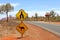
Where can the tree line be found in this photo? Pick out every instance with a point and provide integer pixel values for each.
(49, 16)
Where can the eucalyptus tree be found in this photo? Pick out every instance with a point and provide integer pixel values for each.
(6, 8)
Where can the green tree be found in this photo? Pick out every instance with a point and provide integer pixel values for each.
(36, 16)
(52, 13)
(6, 8)
(57, 17)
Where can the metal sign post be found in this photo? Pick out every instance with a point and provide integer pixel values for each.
(21, 15)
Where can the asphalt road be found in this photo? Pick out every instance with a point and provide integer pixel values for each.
(50, 27)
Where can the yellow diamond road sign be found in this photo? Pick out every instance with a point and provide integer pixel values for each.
(21, 14)
(21, 28)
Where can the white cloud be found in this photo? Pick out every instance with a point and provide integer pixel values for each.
(13, 13)
(55, 9)
(58, 12)
(13, 4)
(32, 13)
(40, 13)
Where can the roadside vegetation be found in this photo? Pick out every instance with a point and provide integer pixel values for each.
(49, 16)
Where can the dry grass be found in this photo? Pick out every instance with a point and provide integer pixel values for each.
(7, 28)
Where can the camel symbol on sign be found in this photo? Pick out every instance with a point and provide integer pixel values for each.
(22, 28)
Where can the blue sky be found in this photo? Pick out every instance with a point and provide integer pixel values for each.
(33, 6)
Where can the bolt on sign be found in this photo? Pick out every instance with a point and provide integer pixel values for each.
(21, 15)
(21, 28)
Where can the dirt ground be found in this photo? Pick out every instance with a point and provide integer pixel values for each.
(8, 32)
(58, 23)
